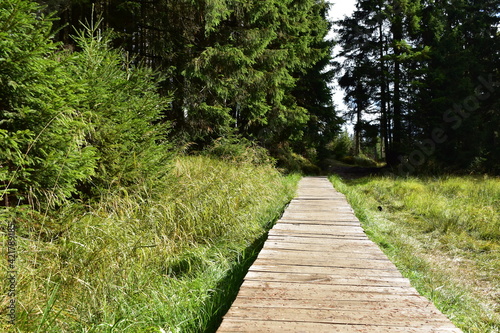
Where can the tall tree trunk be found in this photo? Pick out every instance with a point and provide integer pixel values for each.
(357, 130)
(383, 98)
(397, 36)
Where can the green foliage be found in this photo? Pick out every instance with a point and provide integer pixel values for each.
(426, 67)
(149, 260)
(43, 153)
(360, 160)
(124, 110)
(239, 150)
(72, 121)
(341, 146)
(247, 69)
(291, 162)
(233, 65)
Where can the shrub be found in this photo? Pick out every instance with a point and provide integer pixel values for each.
(239, 150)
(72, 122)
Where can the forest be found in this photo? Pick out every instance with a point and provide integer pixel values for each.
(85, 84)
(178, 129)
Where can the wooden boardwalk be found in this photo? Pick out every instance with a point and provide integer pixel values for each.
(318, 272)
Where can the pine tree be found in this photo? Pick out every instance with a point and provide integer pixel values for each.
(121, 103)
(42, 155)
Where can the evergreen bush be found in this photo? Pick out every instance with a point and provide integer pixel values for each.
(124, 109)
(72, 122)
(43, 153)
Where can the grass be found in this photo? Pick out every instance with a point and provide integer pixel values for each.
(152, 259)
(444, 234)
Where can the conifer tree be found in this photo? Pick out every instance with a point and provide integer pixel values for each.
(72, 120)
(42, 155)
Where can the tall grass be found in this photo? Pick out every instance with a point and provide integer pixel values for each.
(444, 234)
(148, 259)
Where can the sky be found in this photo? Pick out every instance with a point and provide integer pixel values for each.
(338, 10)
(341, 7)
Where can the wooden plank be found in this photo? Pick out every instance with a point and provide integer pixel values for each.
(320, 228)
(245, 326)
(284, 239)
(312, 289)
(345, 222)
(327, 230)
(385, 281)
(396, 317)
(334, 210)
(340, 245)
(338, 206)
(327, 262)
(332, 255)
(340, 295)
(346, 271)
(321, 215)
(415, 304)
(325, 240)
(280, 232)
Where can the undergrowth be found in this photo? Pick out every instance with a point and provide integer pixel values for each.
(444, 234)
(145, 259)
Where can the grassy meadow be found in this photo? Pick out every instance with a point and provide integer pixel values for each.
(444, 234)
(152, 259)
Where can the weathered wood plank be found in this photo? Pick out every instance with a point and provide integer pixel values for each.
(396, 317)
(416, 305)
(345, 222)
(319, 215)
(312, 289)
(245, 326)
(353, 273)
(332, 255)
(314, 246)
(317, 234)
(316, 240)
(332, 263)
(272, 276)
(321, 228)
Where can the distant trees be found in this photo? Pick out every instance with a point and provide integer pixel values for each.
(431, 69)
(232, 65)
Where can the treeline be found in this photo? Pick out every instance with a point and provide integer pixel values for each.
(250, 68)
(422, 80)
(97, 94)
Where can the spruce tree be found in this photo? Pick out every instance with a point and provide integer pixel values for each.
(42, 155)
